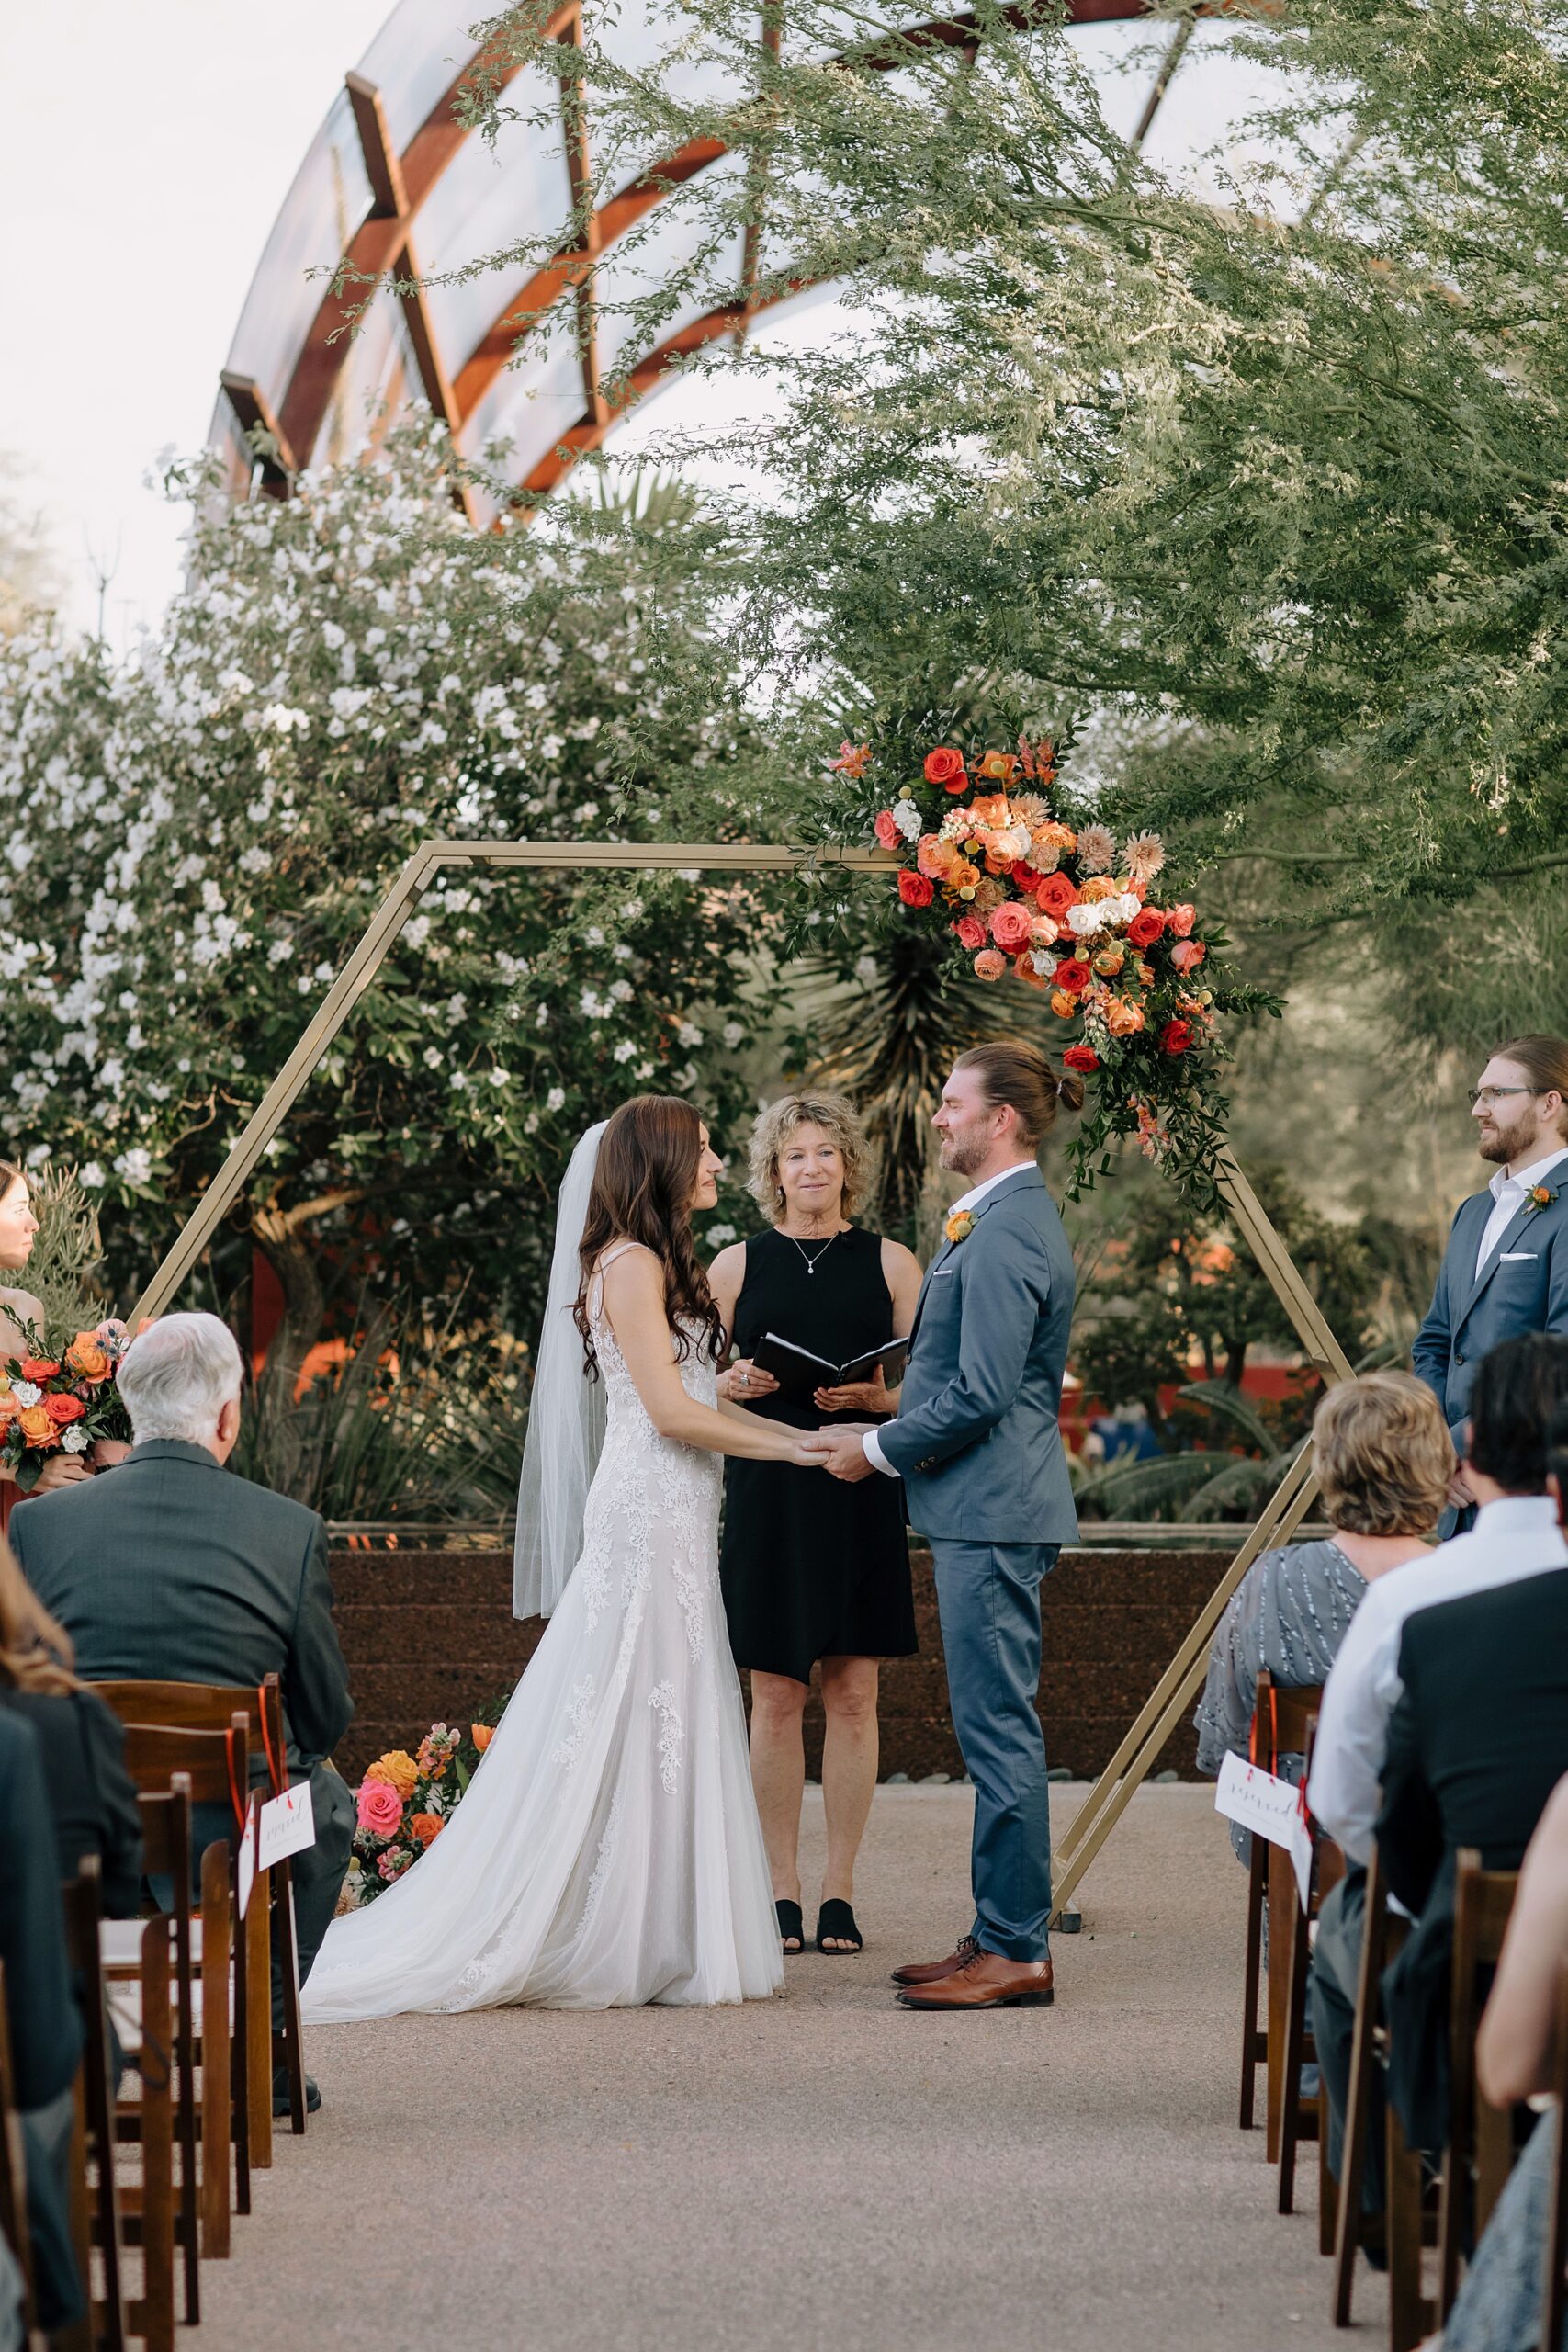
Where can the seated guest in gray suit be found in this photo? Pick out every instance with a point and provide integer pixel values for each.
(1505, 1266)
(167, 1569)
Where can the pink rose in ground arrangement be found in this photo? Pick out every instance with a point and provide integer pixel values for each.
(971, 930)
(1012, 926)
(380, 1808)
(990, 964)
(1187, 954)
(886, 832)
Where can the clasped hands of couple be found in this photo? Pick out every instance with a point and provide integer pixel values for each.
(838, 1450)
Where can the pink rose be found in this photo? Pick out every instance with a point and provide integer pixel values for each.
(990, 964)
(380, 1808)
(971, 930)
(1012, 926)
(886, 832)
(1181, 920)
(1188, 954)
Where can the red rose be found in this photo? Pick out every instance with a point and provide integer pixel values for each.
(1082, 1058)
(885, 829)
(36, 1368)
(971, 930)
(916, 891)
(1145, 928)
(1176, 1037)
(62, 1410)
(1072, 976)
(946, 767)
(1012, 926)
(1056, 894)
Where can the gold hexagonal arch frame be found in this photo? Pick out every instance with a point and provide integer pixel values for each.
(1161, 1712)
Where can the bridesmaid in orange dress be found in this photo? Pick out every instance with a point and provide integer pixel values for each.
(18, 1227)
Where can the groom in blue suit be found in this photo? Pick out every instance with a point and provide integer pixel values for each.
(1505, 1266)
(976, 1442)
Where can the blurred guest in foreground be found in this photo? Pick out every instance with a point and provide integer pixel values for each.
(1382, 1453)
(171, 1571)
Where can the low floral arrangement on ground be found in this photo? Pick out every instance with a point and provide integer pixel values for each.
(60, 1403)
(1066, 908)
(404, 1802)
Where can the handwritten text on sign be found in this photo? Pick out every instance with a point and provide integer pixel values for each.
(288, 1825)
(1271, 1808)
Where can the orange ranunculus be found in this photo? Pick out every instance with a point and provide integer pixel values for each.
(87, 1355)
(1108, 962)
(398, 1769)
(426, 1827)
(1123, 1017)
(999, 767)
(990, 964)
(63, 1411)
(38, 1368)
(946, 767)
(37, 1427)
(482, 1735)
(1062, 1005)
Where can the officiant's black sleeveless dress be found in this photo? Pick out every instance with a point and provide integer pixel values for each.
(812, 1568)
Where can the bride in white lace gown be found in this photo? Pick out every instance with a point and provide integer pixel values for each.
(608, 1850)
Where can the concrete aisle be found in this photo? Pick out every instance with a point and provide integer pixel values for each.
(826, 2171)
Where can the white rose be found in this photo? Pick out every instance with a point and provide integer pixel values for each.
(76, 1440)
(26, 1392)
(1085, 920)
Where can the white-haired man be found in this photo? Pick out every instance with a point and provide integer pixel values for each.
(167, 1569)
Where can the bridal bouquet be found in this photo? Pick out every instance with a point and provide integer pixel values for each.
(404, 1802)
(1069, 910)
(60, 1404)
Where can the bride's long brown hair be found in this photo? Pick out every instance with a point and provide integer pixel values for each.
(643, 1181)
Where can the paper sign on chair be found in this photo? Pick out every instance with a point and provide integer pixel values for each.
(288, 1825)
(1269, 1807)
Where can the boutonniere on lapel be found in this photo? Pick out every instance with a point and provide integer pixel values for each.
(959, 1225)
(1538, 1196)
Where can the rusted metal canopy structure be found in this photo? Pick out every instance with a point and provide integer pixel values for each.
(394, 185)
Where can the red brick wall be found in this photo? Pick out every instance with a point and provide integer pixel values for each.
(430, 1636)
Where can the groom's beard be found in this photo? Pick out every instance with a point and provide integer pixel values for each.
(961, 1158)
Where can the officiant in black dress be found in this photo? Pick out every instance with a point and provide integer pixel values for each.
(814, 1572)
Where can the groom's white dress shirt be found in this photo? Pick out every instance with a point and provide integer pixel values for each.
(1512, 1538)
(873, 1452)
(1507, 1198)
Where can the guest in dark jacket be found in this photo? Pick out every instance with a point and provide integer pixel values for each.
(40, 2013)
(81, 1744)
(1478, 1743)
(167, 1569)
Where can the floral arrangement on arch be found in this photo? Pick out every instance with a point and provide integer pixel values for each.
(404, 1802)
(1068, 910)
(60, 1404)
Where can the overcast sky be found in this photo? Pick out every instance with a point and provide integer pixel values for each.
(145, 146)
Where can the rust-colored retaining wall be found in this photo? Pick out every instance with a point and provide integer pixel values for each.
(430, 1636)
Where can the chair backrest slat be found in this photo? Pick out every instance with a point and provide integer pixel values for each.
(216, 1762)
(205, 1706)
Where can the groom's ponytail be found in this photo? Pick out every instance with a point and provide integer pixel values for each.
(1013, 1071)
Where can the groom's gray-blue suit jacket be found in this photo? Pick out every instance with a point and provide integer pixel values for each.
(976, 1437)
(1523, 1286)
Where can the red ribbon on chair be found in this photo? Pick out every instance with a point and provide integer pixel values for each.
(273, 1763)
(239, 1797)
(1273, 1733)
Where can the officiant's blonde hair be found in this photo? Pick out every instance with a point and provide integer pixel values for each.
(840, 1122)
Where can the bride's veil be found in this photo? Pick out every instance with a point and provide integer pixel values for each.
(566, 1415)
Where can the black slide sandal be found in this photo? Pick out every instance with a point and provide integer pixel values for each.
(792, 1927)
(836, 1918)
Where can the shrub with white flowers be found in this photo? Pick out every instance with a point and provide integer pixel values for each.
(194, 840)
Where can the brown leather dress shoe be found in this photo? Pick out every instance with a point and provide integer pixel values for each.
(986, 1980)
(927, 1971)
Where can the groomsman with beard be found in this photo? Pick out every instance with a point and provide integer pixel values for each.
(1506, 1268)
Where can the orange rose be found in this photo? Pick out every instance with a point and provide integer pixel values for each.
(426, 1827)
(1108, 962)
(482, 1735)
(962, 877)
(1062, 1005)
(989, 808)
(9, 1407)
(1101, 886)
(1024, 970)
(37, 1427)
(38, 1368)
(1054, 896)
(63, 1409)
(398, 1769)
(934, 856)
(87, 1355)
(1123, 1017)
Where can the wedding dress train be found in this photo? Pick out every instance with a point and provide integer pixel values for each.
(608, 1851)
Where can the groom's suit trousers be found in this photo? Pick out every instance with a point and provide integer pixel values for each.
(988, 1597)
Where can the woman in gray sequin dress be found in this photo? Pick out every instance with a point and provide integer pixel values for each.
(1383, 1459)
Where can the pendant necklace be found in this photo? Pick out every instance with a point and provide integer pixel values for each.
(811, 1261)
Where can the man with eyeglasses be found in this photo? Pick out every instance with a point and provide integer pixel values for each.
(1505, 1266)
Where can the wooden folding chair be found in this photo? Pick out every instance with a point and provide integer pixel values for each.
(1282, 1719)
(217, 1765)
(1480, 2153)
(205, 1706)
(97, 2222)
(14, 2176)
(1554, 2287)
(1302, 2118)
(148, 2202)
(1412, 2313)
